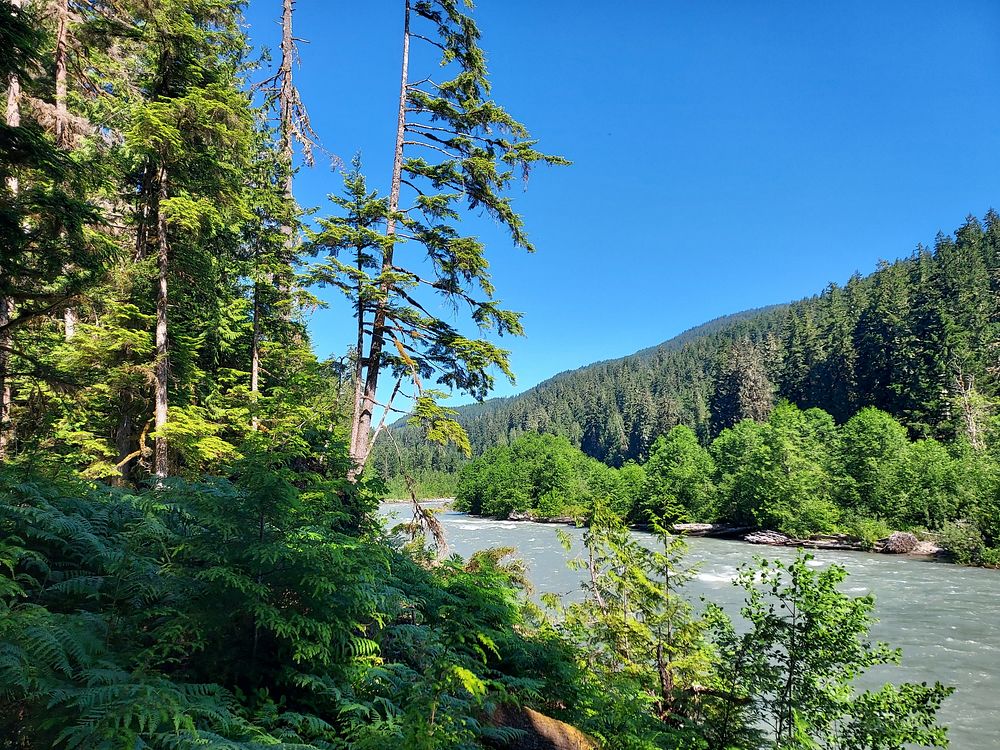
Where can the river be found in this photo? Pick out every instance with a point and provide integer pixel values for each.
(945, 618)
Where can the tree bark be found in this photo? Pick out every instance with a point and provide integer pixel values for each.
(5, 391)
(972, 412)
(62, 117)
(161, 368)
(13, 119)
(70, 319)
(62, 37)
(255, 358)
(286, 125)
(286, 103)
(364, 401)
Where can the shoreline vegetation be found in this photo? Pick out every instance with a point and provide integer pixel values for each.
(790, 477)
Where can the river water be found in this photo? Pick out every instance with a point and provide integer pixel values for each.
(945, 618)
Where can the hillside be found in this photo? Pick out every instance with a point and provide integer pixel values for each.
(916, 338)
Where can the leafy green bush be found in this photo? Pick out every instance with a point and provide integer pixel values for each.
(964, 541)
(792, 670)
(866, 530)
(533, 467)
(551, 505)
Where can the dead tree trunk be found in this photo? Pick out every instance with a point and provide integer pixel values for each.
(161, 368)
(62, 126)
(289, 108)
(255, 358)
(62, 41)
(973, 409)
(286, 106)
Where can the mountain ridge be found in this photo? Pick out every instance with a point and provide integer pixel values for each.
(913, 338)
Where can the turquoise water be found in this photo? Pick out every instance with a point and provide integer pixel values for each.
(945, 618)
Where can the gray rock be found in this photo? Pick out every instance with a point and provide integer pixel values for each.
(900, 543)
(928, 549)
(521, 515)
(772, 538)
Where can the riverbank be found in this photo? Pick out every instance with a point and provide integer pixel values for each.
(897, 543)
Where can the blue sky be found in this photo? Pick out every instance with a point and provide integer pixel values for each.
(727, 155)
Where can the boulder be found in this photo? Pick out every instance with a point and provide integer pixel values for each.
(521, 515)
(900, 543)
(928, 549)
(772, 538)
(538, 731)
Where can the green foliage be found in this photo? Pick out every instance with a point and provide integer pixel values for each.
(657, 676)
(251, 599)
(872, 445)
(539, 473)
(868, 531)
(743, 388)
(241, 612)
(639, 645)
(965, 542)
(427, 484)
(456, 151)
(798, 473)
(775, 474)
(787, 681)
(679, 478)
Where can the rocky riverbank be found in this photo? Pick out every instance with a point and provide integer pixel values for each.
(897, 543)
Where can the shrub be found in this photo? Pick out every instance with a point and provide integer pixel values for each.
(964, 541)
(866, 530)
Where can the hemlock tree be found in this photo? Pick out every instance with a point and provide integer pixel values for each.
(456, 149)
(638, 639)
(191, 135)
(49, 247)
(743, 389)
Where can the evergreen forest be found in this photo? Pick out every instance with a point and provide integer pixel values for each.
(191, 554)
(916, 339)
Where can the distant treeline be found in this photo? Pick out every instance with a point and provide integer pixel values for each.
(797, 472)
(917, 339)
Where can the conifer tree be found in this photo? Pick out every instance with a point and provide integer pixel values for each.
(455, 149)
(191, 134)
(17, 31)
(49, 249)
(743, 389)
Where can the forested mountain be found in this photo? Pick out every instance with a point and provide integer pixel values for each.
(917, 338)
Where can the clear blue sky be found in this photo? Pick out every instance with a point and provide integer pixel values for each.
(727, 155)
